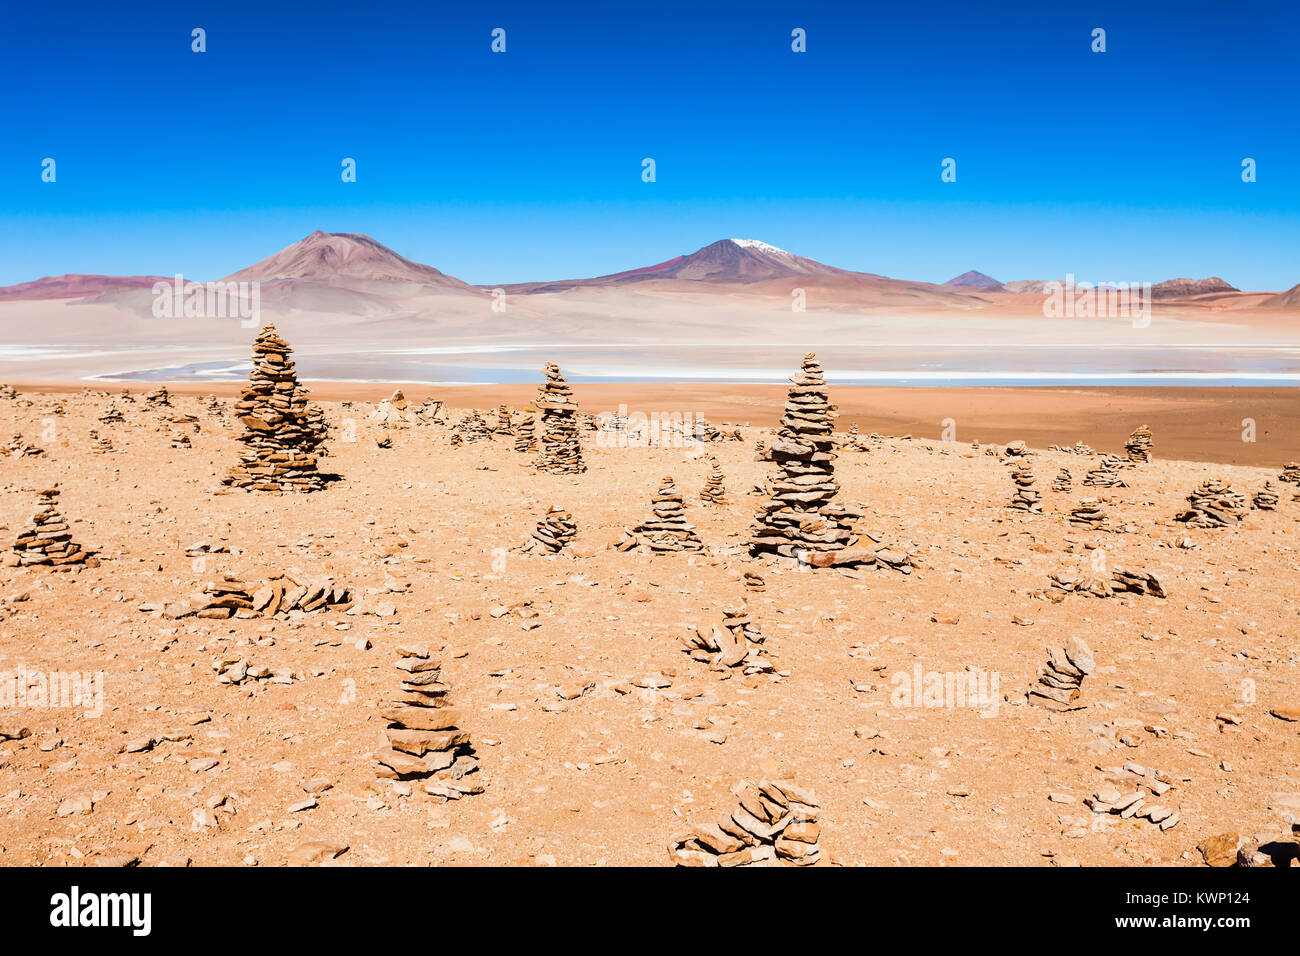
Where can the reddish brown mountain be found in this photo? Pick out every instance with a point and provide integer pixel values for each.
(1181, 288)
(975, 280)
(75, 286)
(348, 255)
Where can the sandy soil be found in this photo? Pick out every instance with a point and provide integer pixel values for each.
(610, 776)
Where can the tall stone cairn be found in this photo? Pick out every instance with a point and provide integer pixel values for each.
(47, 540)
(1266, 498)
(1138, 445)
(503, 424)
(425, 741)
(714, 493)
(1063, 481)
(282, 433)
(800, 518)
(1058, 685)
(560, 453)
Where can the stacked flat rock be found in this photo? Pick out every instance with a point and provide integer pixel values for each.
(1088, 513)
(385, 440)
(1025, 498)
(559, 451)
(800, 518)
(1214, 505)
(424, 738)
(503, 422)
(1266, 498)
(1088, 585)
(473, 427)
(391, 412)
(215, 407)
(1138, 445)
(1137, 582)
(282, 433)
(126, 396)
(667, 529)
(553, 533)
(99, 444)
(1016, 451)
(1059, 684)
(1105, 475)
(112, 415)
(158, 397)
(1063, 481)
(19, 447)
(714, 493)
(180, 440)
(47, 540)
(754, 582)
(430, 412)
(775, 824)
(8, 392)
(1290, 473)
(278, 597)
(734, 641)
(526, 435)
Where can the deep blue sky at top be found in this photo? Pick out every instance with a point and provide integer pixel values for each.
(495, 168)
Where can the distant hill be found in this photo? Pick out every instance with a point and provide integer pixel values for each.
(1181, 288)
(326, 255)
(975, 280)
(75, 286)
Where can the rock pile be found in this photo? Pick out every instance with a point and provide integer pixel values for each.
(1290, 473)
(733, 641)
(1024, 497)
(424, 739)
(472, 427)
(668, 529)
(99, 444)
(1266, 498)
(1213, 505)
(180, 439)
(553, 532)
(19, 447)
(1063, 481)
(1121, 580)
(526, 434)
(158, 397)
(714, 493)
(1059, 684)
(282, 433)
(1138, 445)
(1088, 513)
(232, 598)
(1137, 582)
(8, 392)
(754, 582)
(48, 539)
(1105, 475)
(112, 415)
(560, 453)
(800, 518)
(1133, 804)
(775, 824)
(503, 424)
(215, 407)
(1016, 451)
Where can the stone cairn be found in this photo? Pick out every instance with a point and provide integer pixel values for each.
(734, 641)
(1133, 804)
(8, 392)
(1063, 482)
(1088, 513)
(1025, 498)
(559, 453)
(754, 582)
(667, 529)
(158, 397)
(1090, 585)
(424, 739)
(1138, 445)
(180, 439)
(1290, 473)
(1106, 474)
(714, 493)
(215, 407)
(503, 422)
(1137, 582)
(1266, 498)
(1213, 505)
(282, 433)
(800, 518)
(112, 415)
(526, 434)
(99, 444)
(1059, 684)
(552, 534)
(775, 824)
(473, 427)
(19, 447)
(48, 539)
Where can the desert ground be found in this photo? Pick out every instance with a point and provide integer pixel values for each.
(599, 737)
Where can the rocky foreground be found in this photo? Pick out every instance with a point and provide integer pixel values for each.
(247, 645)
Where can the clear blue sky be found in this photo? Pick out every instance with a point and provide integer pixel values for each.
(497, 168)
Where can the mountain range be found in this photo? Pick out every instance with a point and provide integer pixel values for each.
(359, 264)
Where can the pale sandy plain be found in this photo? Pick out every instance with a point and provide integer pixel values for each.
(611, 775)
